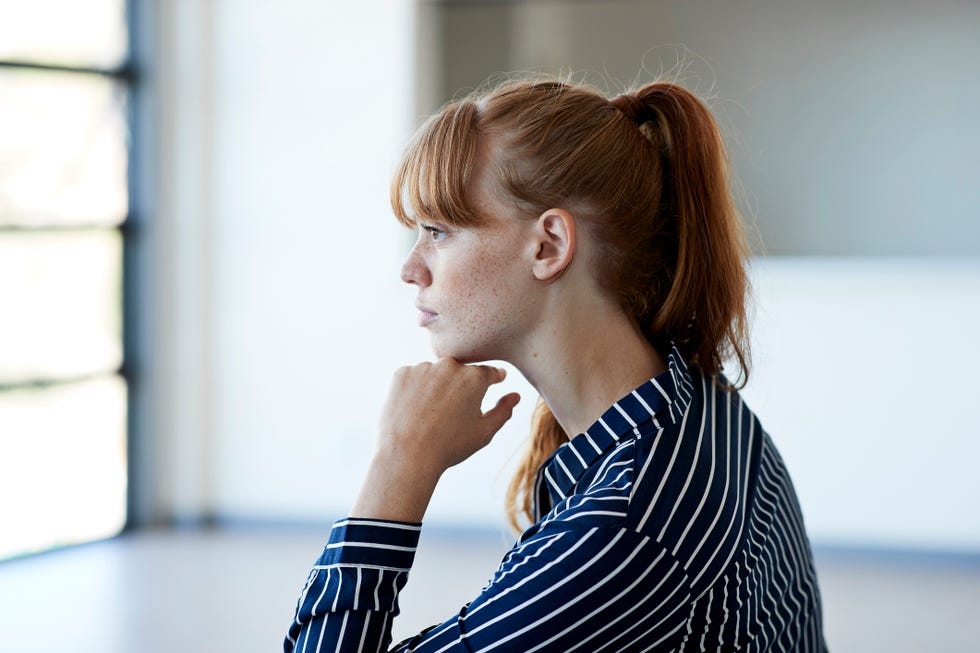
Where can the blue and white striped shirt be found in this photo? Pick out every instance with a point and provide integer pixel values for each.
(671, 524)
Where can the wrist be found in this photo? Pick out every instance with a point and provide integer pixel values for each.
(394, 489)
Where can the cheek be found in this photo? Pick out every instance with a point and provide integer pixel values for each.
(487, 297)
(494, 292)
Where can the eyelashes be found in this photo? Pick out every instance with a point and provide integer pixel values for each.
(435, 233)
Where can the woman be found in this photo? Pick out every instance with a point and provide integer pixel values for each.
(594, 245)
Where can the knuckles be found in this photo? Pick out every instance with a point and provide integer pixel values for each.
(447, 371)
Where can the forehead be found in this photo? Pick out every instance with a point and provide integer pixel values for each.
(482, 191)
(485, 193)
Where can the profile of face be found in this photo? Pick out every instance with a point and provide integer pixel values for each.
(476, 289)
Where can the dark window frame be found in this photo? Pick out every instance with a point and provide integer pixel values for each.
(127, 75)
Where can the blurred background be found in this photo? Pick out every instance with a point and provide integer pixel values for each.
(200, 308)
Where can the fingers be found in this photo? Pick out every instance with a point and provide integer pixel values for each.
(433, 415)
(497, 416)
(499, 374)
(486, 375)
(490, 374)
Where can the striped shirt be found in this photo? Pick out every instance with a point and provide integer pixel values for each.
(671, 524)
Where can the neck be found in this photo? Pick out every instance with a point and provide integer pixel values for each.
(582, 369)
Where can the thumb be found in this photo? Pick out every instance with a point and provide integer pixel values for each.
(499, 414)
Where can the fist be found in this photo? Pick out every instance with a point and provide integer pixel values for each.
(433, 419)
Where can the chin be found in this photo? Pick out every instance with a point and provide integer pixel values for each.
(461, 352)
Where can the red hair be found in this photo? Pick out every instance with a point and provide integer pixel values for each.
(647, 168)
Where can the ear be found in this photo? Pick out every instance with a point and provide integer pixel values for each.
(554, 244)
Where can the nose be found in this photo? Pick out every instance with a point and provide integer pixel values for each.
(414, 269)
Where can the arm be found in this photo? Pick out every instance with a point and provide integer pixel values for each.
(563, 588)
(432, 420)
(570, 582)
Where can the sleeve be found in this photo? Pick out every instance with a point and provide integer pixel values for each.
(351, 594)
(564, 588)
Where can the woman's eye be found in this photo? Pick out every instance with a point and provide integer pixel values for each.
(435, 233)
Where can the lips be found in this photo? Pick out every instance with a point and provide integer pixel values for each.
(425, 315)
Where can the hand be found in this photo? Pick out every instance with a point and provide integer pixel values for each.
(431, 421)
(432, 418)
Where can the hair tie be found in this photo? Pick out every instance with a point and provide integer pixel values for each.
(633, 108)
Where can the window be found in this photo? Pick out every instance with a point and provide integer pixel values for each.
(65, 85)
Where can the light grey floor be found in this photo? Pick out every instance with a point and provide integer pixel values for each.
(234, 589)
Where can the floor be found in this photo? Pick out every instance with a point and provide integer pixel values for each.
(234, 589)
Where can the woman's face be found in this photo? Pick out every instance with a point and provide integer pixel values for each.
(476, 291)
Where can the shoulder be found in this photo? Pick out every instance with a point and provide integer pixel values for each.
(695, 476)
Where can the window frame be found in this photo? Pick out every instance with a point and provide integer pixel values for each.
(134, 250)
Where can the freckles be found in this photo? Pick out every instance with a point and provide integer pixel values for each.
(482, 297)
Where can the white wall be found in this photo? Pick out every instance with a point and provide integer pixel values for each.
(310, 100)
(278, 256)
(282, 317)
(865, 376)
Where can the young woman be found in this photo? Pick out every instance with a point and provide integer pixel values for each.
(594, 245)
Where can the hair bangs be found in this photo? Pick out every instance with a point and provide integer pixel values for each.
(432, 178)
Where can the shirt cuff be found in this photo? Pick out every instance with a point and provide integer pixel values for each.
(371, 542)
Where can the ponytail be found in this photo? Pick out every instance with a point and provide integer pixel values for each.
(704, 310)
(647, 169)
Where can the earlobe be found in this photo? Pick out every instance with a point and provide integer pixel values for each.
(554, 244)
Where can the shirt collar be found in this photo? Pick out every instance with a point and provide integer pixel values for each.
(661, 400)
